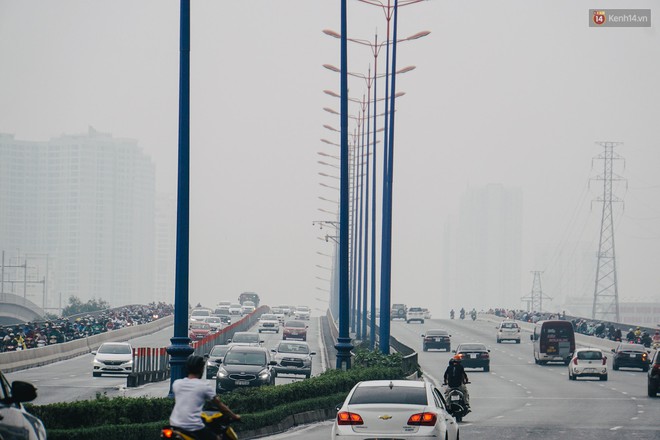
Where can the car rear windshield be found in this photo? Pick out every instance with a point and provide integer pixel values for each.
(387, 395)
(219, 350)
(115, 349)
(293, 348)
(632, 347)
(268, 318)
(296, 324)
(245, 337)
(415, 309)
(472, 347)
(589, 355)
(244, 358)
(509, 325)
(437, 333)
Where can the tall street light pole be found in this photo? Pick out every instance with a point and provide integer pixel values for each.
(180, 348)
(343, 345)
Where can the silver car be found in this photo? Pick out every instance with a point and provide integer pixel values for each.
(293, 357)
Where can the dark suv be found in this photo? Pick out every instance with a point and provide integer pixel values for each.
(15, 421)
(654, 375)
(630, 356)
(244, 367)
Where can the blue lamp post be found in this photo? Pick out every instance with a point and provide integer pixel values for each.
(343, 345)
(180, 348)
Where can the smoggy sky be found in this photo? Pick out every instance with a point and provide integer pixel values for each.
(514, 93)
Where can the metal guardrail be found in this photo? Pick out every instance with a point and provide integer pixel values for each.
(153, 364)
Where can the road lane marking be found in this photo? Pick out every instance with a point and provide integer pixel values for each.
(499, 417)
(640, 412)
(615, 428)
(634, 418)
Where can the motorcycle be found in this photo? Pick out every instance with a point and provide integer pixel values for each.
(474, 316)
(456, 403)
(451, 314)
(462, 315)
(216, 421)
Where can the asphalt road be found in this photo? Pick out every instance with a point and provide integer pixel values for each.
(520, 400)
(72, 380)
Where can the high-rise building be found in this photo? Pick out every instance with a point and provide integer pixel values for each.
(87, 201)
(165, 248)
(483, 250)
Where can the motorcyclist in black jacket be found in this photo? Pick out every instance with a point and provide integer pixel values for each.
(455, 377)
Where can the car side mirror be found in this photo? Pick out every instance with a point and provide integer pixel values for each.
(23, 391)
(339, 405)
(613, 351)
(261, 342)
(272, 363)
(422, 336)
(206, 355)
(273, 350)
(531, 337)
(488, 351)
(312, 353)
(453, 351)
(228, 341)
(94, 352)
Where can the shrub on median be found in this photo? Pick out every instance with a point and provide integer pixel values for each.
(249, 402)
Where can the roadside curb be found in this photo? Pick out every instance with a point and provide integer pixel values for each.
(319, 415)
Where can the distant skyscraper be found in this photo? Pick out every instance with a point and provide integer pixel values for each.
(88, 202)
(165, 248)
(483, 252)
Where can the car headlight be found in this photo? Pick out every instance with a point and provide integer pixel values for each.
(129, 363)
(265, 374)
(211, 364)
(95, 362)
(222, 373)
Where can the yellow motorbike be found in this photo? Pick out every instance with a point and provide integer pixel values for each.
(218, 423)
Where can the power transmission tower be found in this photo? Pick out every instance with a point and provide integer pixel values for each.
(606, 292)
(535, 298)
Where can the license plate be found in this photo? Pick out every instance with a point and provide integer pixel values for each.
(454, 397)
(633, 355)
(473, 355)
(589, 370)
(242, 382)
(437, 339)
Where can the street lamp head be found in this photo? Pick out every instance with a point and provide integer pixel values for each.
(398, 94)
(329, 110)
(418, 35)
(331, 67)
(406, 69)
(331, 93)
(330, 128)
(331, 33)
(325, 141)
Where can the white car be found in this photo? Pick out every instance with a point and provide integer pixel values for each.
(247, 308)
(277, 311)
(302, 312)
(293, 357)
(588, 362)
(246, 338)
(235, 309)
(113, 358)
(427, 313)
(415, 314)
(215, 322)
(394, 409)
(269, 323)
(199, 314)
(508, 331)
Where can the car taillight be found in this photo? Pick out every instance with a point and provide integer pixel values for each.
(349, 418)
(575, 361)
(518, 329)
(423, 419)
(428, 339)
(656, 368)
(167, 433)
(485, 356)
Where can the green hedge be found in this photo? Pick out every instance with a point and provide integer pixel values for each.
(259, 406)
(151, 430)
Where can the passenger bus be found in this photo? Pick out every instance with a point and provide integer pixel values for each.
(554, 341)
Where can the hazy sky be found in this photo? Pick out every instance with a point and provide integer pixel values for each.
(512, 92)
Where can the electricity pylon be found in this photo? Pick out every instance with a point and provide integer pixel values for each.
(606, 292)
(536, 296)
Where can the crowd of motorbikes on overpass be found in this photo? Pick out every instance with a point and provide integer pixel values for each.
(35, 334)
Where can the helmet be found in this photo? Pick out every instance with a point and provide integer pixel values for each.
(195, 365)
(457, 358)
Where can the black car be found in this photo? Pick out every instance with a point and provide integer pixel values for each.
(437, 338)
(243, 367)
(223, 314)
(630, 356)
(15, 421)
(654, 375)
(214, 359)
(474, 355)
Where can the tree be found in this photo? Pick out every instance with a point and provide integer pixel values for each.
(76, 306)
